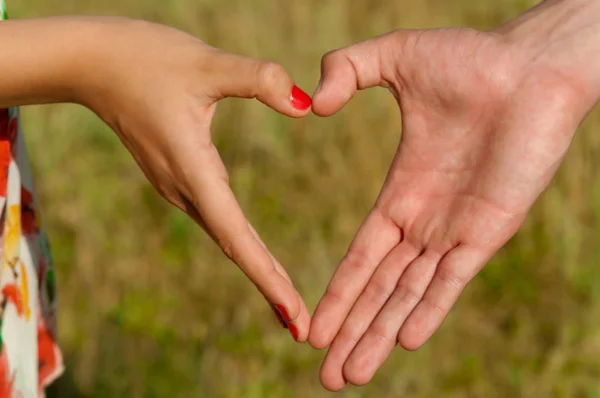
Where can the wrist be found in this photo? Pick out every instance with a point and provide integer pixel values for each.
(99, 67)
(561, 37)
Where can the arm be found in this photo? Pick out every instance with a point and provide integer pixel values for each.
(43, 59)
(562, 36)
(487, 118)
(158, 88)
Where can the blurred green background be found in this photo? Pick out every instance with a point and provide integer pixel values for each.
(149, 307)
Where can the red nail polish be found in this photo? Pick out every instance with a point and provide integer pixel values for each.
(293, 331)
(279, 318)
(283, 312)
(300, 100)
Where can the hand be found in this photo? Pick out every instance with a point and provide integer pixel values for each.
(158, 88)
(159, 91)
(487, 119)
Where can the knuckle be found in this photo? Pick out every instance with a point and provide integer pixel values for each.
(170, 194)
(348, 335)
(192, 207)
(330, 57)
(270, 74)
(224, 176)
(379, 332)
(357, 257)
(222, 173)
(436, 305)
(450, 278)
(165, 192)
(407, 295)
(335, 295)
(377, 290)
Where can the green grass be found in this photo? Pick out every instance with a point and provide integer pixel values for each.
(149, 307)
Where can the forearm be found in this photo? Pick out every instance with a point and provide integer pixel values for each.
(44, 60)
(565, 35)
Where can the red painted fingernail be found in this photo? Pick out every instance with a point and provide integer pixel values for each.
(279, 318)
(300, 100)
(293, 331)
(283, 312)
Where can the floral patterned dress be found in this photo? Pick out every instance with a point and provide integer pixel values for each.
(29, 356)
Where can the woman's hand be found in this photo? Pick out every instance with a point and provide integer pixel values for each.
(158, 89)
(487, 118)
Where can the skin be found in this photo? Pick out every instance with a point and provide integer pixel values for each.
(158, 89)
(487, 119)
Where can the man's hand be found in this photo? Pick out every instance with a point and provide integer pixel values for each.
(487, 119)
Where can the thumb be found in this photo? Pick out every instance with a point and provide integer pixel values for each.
(245, 77)
(363, 65)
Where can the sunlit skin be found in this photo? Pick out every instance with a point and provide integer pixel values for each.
(487, 120)
(162, 113)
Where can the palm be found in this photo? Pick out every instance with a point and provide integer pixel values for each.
(475, 153)
(481, 140)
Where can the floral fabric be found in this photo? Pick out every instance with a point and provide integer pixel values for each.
(29, 356)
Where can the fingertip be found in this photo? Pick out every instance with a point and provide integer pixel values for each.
(289, 311)
(278, 316)
(278, 91)
(411, 338)
(293, 331)
(333, 385)
(410, 344)
(300, 327)
(356, 377)
(316, 341)
(323, 111)
(299, 99)
(358, 368)
(359, 380)
(296, 319)
(330, 379)
(331, 96)
(295, 104)
(318, 337)
(316, 97)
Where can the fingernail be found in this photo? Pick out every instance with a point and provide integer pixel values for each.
(279, 318)
(284, 314)
(300, 100)
(293, 331)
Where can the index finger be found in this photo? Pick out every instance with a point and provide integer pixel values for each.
(221, 214)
